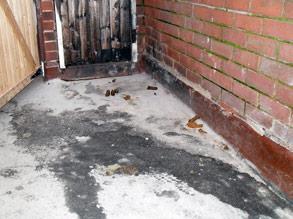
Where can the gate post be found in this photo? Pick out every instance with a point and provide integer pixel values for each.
(48, 38)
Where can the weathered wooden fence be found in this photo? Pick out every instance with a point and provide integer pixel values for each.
(19, 56)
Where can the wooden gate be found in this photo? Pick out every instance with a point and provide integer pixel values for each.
(95, 31)
(19, 57)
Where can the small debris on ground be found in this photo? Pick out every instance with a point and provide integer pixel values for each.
(114, 80)
(127, 97)
(155, 94)
(108, 93)
(225, 147)
(152, 88)
(201, 131)
(112, 92)
(193, 124)
(121, 169)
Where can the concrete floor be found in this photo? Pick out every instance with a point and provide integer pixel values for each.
(67, 151)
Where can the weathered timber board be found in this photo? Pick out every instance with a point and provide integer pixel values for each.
(96, 31)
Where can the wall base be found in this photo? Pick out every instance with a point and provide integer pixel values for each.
(273, 161)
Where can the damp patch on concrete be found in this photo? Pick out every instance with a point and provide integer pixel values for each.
(66, 144)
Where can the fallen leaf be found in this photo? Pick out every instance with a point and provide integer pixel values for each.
(194, 118)
(112, 169)
(127, 97)
(194, 125)
(152, 88)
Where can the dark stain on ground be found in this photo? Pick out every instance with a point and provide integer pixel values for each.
(7, 173)
(111, 141)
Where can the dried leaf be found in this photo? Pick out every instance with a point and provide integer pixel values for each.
(127, 97)
(194, 118)
(194, 125)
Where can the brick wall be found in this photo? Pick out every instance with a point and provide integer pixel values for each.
(48, 38)
(239, 51)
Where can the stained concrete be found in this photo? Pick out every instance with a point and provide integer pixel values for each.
(63, 133)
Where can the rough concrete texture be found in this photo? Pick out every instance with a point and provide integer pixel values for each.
(67, 151)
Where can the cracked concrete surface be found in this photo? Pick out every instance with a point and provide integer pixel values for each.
(59, 139)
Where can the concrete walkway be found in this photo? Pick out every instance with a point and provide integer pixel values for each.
(68, 151)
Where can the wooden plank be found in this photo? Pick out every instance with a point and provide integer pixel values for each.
(125, 23)
(19, 56)
(105, 25)
(17, 32)
(8, 95)
(63, 8)
(82, 10)
(115, 23)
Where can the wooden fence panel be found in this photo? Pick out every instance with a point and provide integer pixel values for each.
(19, 57)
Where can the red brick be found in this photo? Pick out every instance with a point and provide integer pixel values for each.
(284, 94)
(49, 36)
(235, 36)
(288, 9)
(260, 82)
(193, 77)
(249, 23)
(222, 80)
(238, 5)
(212, 30)
(202, 13)
(194, 52)
(205, 71)
(47, 15)
(212, 88)
(187, 62)
(286, 53)
(278, 29)
(222, 17)
(246, 58)
(261, 45)
(48, 25)
(277, 110)
(222, 49)
(245, 92)
(47, 6)
(258, 116)
(186, 35)
(51, 46)
(217, 3)
(235, 70)
(229, 101)
(277, 70)
(201, 40)
(212, 60)
(267, 7)
(185, 9)
(180, 68)
(173, 54)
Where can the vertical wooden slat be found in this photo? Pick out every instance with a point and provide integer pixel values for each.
(82, 9)
(96, 30)
(105, 25)
(115, 23)
(125, 27)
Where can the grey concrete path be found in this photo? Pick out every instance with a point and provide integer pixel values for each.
(67, 151)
